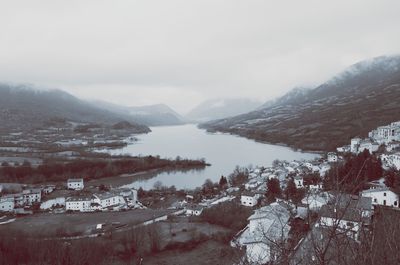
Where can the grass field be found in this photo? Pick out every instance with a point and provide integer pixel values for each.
(207, 253)
(50, 224)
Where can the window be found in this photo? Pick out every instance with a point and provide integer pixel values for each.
(375, 200)
(395, 203)
(384, 194)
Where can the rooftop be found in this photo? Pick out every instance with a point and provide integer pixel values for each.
(78, 198)
(352, 201)
(31, 191)
(248, 193)
(194, 207)
(347, 207)
(275, 225)
(106, 195)
(75, 180)
(346, 214)
(382, 189)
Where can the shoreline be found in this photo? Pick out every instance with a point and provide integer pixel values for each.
(216, 132)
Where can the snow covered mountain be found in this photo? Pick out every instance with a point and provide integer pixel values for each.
(221, 108)
(150, 115)
(24, 107)
(362, 97)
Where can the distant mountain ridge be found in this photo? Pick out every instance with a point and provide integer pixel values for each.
(362, 97)
(221, 108)
(24, 107)
(150, 115)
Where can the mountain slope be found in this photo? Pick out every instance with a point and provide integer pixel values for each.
(24, 108)
(364, 96)
(151, 115)
(221, 108)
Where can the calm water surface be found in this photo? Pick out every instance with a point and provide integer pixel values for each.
(223, 151)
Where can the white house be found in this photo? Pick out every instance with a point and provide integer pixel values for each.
(130, 196)
(18, 199)
(368, 144)
(382, 196)
(315, 187)
(268, 227)
(391, 160)
(249, 199)
(32, 196)
(344, 149)
(194, 210)
(7, 203)
(332, 157)
(108, 199)
(46, 205)
(355, 143)
(386, 134)
(81, 204)
(347, 213)
(396, 160)
(316, 201)
(48, 189)
(299, 181)
(324, 167)
(392, 146)
(75, 184)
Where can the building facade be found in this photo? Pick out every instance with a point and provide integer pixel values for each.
(32, 196)
(81, 204)
(382, 196)
(75, 184)
(7, 204)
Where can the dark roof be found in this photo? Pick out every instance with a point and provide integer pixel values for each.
(75, 180)
(352, 201)
(347, 207)
(248, 193)
(349, 214)
(320, 238)
(194, 207)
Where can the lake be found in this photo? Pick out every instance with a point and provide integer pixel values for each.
(223, 151)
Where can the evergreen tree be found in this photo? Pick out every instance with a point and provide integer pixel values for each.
(290, 190)
(273, 189)
(223, 182)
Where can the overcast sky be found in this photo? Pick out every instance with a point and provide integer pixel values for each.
(183, 52)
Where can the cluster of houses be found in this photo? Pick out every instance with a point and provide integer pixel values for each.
(115, 199)
(341, 220)
(391, 160)
(16, 202)
(111, 200)
(283, 170)
(388, 136)
(269, 226)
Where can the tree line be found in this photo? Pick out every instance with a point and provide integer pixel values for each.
(53, 170)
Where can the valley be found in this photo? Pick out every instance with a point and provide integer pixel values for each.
(350, 104)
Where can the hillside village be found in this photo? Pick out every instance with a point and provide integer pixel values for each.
(300, 198)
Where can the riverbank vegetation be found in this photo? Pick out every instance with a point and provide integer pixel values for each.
(57, 170)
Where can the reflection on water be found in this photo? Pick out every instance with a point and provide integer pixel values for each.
(224, 152)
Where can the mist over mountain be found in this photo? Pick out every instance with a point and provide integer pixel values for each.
(355, 101)
(150, 115)
(221, 108)
(24, 107)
